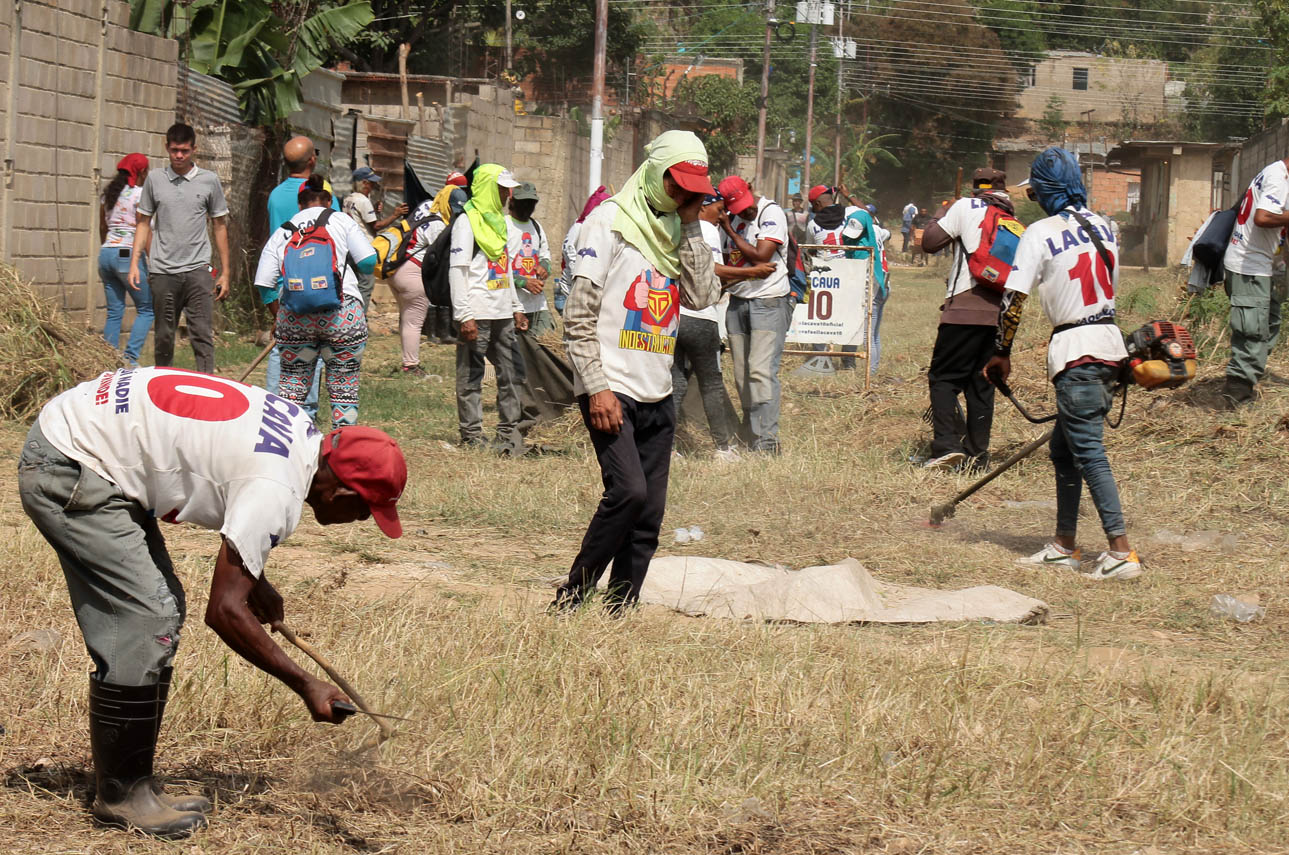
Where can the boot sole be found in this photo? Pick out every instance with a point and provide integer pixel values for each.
(161, 834)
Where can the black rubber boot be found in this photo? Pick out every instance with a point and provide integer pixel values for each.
(1237, 392)
(123, 737)
(185, 802)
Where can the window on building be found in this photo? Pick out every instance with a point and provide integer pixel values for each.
(1134, 195)
(1080, 79)
(1028, 77)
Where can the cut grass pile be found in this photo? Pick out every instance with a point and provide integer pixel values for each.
(42, 350)
(1135, 722)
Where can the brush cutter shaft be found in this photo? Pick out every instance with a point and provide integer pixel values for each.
(308, 650)
(940, 513)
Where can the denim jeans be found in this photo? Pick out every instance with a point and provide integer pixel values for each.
(757, 329)
(1083, 398)
(875, 346)
(273, 377)
(114, 270)
(698, 347)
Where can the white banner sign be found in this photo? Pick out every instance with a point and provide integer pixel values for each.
(838, 306)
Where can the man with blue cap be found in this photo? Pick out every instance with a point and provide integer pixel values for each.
(1074, 256)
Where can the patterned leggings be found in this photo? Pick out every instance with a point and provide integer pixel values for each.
(338, 338)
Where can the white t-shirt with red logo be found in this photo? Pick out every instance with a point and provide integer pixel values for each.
(527, 247)
(1076, 288)
(1253, 248)
(639, 311)
(488, 294)
(194, 448)
(817, 234)
(770, 223)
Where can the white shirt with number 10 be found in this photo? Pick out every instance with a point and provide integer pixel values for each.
(194, 448)
(1076, 288)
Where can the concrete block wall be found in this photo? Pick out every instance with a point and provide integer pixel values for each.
(64, 135)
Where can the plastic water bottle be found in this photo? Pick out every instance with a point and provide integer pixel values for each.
(1227, 606)
(682, 535)
(695, 533)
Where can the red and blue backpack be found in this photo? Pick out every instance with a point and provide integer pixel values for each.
(311, 278)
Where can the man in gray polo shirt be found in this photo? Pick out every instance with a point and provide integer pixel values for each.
(175, 205)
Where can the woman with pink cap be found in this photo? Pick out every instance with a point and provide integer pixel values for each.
(116, 227)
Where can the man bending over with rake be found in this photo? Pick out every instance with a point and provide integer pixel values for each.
(109, 458)
(1074, 256)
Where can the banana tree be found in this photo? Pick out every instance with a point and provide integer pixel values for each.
(263, 49)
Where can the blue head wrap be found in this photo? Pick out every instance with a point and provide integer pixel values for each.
(1057, 180)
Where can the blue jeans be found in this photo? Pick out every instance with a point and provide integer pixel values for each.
(757, 329)
(875, 346)
(273, 378)
(1083, 398)
(114, 270)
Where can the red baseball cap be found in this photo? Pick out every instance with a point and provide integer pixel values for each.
(370, 463)
(455, 178)
(692, 176)
(818, 190)
(736, 193)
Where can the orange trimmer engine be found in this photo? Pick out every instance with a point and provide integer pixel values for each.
(1161, 354)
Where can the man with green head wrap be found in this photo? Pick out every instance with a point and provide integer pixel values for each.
(640, 256)
(487, 309)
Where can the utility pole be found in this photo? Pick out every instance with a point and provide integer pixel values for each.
(509, 57)
(810, 102)
(765, 95)
(840, 52)
(1091, 167)
(597, 94)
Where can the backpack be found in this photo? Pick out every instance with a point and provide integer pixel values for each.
(310, 274)
(392, 243)
(1210, 246)
(434, 268)
(991, 264)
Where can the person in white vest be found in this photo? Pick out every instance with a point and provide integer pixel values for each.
(640, 256)
(109, 460)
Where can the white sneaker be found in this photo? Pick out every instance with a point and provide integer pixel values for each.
(946, 461)
(1052, 555)
(1108, 566)
(727, 455)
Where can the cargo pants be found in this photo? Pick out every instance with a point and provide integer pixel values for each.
(128, 601)
(1255, 323)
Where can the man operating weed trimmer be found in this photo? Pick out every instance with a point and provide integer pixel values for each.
(108, 459)
(1073, 254)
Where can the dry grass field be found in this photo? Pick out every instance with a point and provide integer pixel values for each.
(1134, 721)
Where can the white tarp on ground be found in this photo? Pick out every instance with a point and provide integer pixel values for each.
(837, 593)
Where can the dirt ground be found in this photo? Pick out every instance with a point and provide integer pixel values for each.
(1134, 721)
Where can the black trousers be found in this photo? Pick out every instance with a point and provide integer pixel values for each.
(634, 464)
(698, 347)
(960, 354)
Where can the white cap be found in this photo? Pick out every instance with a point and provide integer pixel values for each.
(853, 228)
(507, 179)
